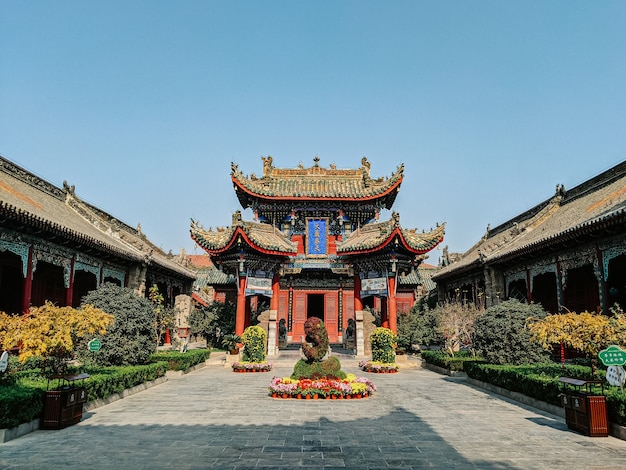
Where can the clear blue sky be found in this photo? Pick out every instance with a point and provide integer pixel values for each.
(142, 105)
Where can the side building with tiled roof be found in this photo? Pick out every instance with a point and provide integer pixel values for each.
(316, 247)
(56, 247)
(567, 253)
(211, 284)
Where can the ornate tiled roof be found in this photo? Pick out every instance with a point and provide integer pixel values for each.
(315, 183)
(595, 204)
(213, 277)
(263, 237)
(374, 236)
(30, 203)
(200, 261)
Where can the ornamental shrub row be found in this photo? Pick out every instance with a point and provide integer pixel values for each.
(22, 402)
(19, 404)
(442, 359)
(109, 381)
(181, 361)
(540, 381)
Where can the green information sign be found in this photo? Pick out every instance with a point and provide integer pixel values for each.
(613, 356)
(94, 345)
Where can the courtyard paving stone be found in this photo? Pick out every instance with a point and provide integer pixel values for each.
(215, 419)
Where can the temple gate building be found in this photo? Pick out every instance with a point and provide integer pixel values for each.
(316, 247)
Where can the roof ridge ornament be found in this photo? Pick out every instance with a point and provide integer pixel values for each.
(237, 220)
(395, 216)
(267, 165)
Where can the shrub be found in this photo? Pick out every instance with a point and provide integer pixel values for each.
(253, 344)
(23, 401)
(181, 361)
(106, 382)
(586, 332)
(417, 327)
(540, 381)
(383, 341)
(19, 404)
(329, 368)
(51, 333)
(501, 336)
(213, 322)
(316, 345)
(130, 340)
(453, 363)
(455, 324)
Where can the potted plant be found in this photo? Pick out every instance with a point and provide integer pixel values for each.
(231, 342)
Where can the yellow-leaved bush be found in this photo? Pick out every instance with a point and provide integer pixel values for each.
(586, 332)
(50, 331)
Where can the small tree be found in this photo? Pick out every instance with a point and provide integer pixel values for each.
(501, 337)
(455, 324)
(586, 332)
(131, 339)
(419, 326)
(51, 332)
(213, 322)
(164, 316)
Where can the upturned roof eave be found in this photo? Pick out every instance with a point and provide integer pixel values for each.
(238, 231)
(587, 227)
(390, 192)
(395, 232)
(40, 223)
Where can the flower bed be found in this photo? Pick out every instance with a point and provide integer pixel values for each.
(379, 367)
(252, 366)
(330, 389)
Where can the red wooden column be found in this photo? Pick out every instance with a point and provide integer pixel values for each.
(358, 303)
(384, 312)
(28, 282)
(392, 307)
(275, 292)
(240, 317)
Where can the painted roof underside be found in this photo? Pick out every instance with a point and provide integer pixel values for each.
(315, 183)
(596, 203)
(29, 201)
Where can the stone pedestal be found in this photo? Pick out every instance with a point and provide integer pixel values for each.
(359, 334)
(271, 334)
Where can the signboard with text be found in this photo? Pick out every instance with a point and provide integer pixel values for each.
(317, 237)
(259, 286)
(374, 286)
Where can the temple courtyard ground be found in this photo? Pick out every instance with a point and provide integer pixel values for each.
(213, 418)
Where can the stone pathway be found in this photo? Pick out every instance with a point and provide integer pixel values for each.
(215, 419)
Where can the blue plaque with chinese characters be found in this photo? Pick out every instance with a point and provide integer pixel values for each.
(317, 237)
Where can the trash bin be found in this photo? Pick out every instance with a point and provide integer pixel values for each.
(64, 407)
(585, 411)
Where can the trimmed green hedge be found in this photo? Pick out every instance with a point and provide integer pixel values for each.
(181, 361)
(540, 381)
(22, 401)
(443, 359)
(106, 382)
(19, 404)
